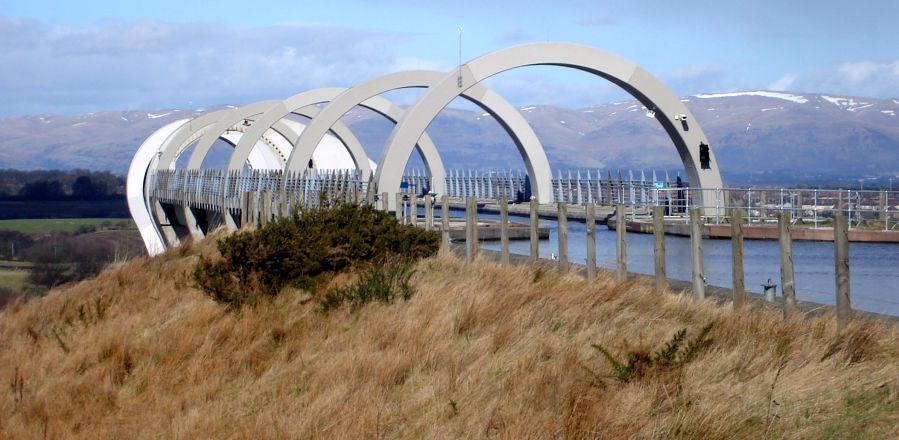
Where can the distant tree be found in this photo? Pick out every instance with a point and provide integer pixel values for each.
(13, 244)
(42, 190)
(85, 188)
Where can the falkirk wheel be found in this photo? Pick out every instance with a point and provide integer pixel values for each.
(264, 138)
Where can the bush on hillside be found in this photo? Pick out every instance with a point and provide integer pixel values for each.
(297, 251)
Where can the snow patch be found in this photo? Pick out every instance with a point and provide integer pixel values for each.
(889, 112)
(848, 104)
(748, 125)
(230, 106)
(684, 100)
(157, 115)
(561, 122)
(785, 96)
(124, 118)
(772, 108)
(78, 124)
(589, 111)
(633, 106)
(710, 109)
(525, 109)
(485, 114)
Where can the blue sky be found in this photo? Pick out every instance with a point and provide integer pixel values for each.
(70, 57)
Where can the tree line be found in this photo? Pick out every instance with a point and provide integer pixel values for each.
(48, 185)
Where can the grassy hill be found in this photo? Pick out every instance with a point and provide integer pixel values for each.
(478, 351)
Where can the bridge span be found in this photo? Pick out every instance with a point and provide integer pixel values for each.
(286, 160)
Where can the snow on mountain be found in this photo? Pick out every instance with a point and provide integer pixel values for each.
(750, 132)
(778, 95)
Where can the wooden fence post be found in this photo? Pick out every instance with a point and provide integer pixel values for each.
(787, 280)
(504, 230)
(562, 212)
(445, 223)
(841, 268)
(471, 229)
(621, 244)
(696, 246)
(399, 209)
(591, 241)
(535, 237)
(736, 245)
(429, 212)
(385, 202)
(413, 210)
(658, 232)
(265, 207)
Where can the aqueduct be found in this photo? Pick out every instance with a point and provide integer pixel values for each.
(264, 138)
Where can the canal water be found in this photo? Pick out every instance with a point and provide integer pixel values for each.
(873, 267)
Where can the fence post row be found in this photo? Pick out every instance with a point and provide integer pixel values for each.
(259, 196)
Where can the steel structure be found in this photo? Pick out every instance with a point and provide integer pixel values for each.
(264, 137)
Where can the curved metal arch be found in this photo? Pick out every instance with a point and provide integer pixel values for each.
(246, 114)
(303, 100)
(178, 142)
(194, 129)
(136, 189)
(677, 121)
(509, 117)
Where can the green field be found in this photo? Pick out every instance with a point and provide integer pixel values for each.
(31, 226)
(13, 279)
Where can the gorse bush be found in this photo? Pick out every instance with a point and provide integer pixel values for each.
(297, 251)
(638, 363)
(382, 281)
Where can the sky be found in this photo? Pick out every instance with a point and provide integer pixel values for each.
(69, 57)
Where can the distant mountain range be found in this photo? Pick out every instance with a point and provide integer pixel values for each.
(757, 137)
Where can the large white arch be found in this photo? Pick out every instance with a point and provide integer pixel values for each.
(677, 121)
(309, 98)
(246, 117)
(136, 187)
(508, 116)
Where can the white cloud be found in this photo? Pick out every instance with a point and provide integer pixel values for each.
(864, 78)
(784, 83)
(153, 64)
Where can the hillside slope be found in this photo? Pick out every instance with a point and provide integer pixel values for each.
(479, 351)
(755, 135)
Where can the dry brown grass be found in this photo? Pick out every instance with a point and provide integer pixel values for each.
(479, 351)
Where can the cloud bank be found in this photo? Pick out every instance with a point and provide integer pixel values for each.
(154, 64)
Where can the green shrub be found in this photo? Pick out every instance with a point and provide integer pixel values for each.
(638, 363)
(382, 282)
(297, 251)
